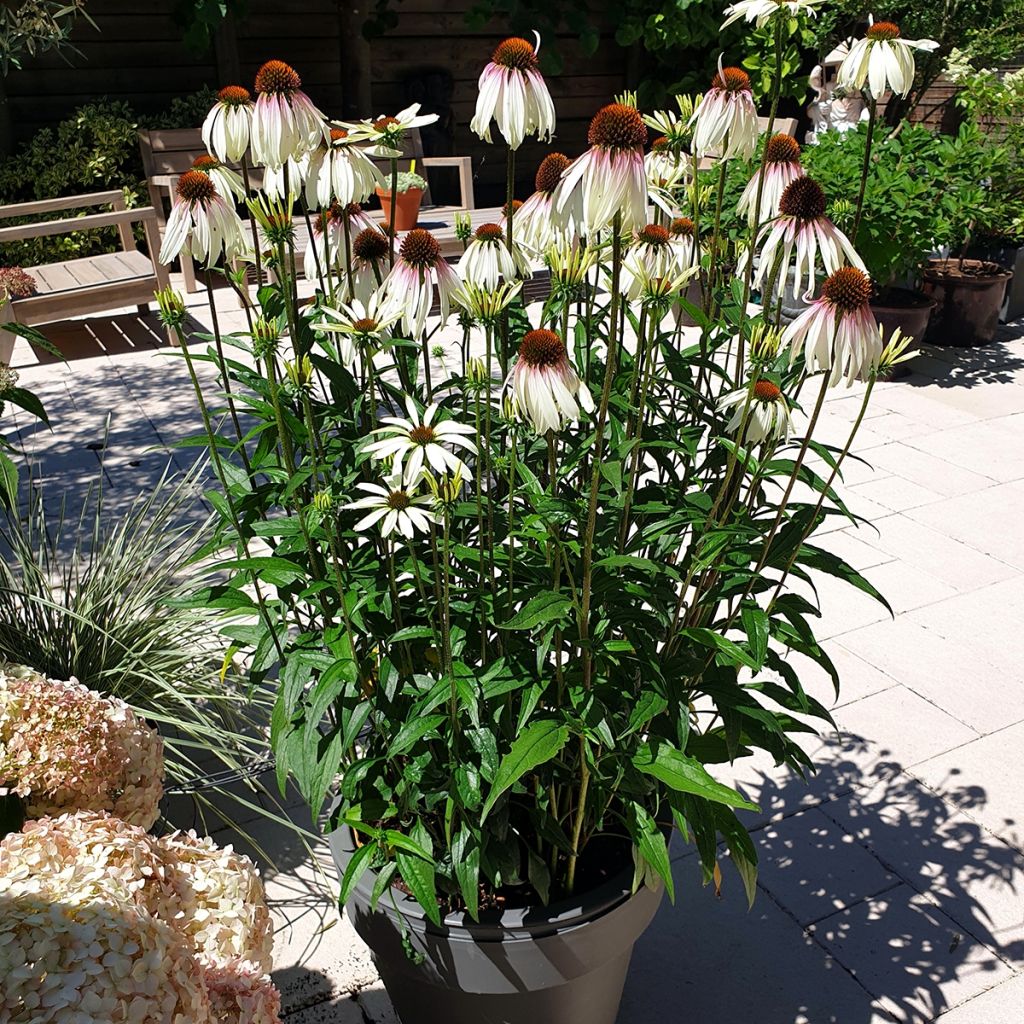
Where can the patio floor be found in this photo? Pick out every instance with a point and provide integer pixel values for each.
(891, 884)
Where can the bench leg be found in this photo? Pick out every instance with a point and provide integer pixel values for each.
(188, 272)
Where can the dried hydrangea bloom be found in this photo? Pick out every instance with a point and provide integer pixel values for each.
(240, 991)
(65, 747)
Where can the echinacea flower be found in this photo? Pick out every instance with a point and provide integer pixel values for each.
(360, 326)
(386, 133)
(327, 243)
(682, 233)
(764, 408)
(534, 224)
(838, 332)
(291, 179)
(512, 93)
(228, 124)
(487, 259)
(344, 172)
(285, 122)
(542, 384)
(370, 251)
(725, 122)
(417, 442)
(396, 506)
(202, 222)
(760, 12)
(650, 256)
(410, 284)
(782, 167)
(609, 179)
(227, 181)
(882, 60)
(485, 305)
(803, 229)
(569, 262)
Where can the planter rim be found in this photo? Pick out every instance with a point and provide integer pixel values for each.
(921, 301)
(387, 193)
(934, 273)
(518, 924)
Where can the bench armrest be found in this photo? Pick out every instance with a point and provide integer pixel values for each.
(120, 218)
(465, 166)
(115, 196)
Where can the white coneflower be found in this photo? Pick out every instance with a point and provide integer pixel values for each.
(649, 258)
(609, 178)
(766, 411)
(396, 506)
(285, 122)
(410, 285)
(227, 182)
(344, 172)
(803, 230)
(838, 331)
(416, 442)
(386, 133)
(487, 259)
(781, 168)
(227, 125)
(682, 233)
(760, 12)
(543, 385)
(290, 179)
(534, 225)
(725, 122)
(359, 325)
(201, 221)
(882, 59)
(370, 251)
(328, 241)
(512, 93)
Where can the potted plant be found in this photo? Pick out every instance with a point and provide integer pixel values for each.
(901, 218)
(970, 292)
(517, 611)
(408, 194)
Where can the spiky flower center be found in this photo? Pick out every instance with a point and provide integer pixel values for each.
(421, 434)
(515, 54)
(541, 348)
(682, 227)
(399, 501)
(848, 289)
(420, 248)
(338, 134)
(549, 173)
(731, 80)
(766, 391)
(516, 203)
(489, 233)
(364, 325)
(884, 30)
(782, 149)
(277, 77)
(661, 144)
(234, 96)
(653, 234)
(386, 124)
(803, 199)
(617, 126)
(195, 187)
(370, 244)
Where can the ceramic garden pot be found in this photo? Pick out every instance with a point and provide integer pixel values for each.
(407, 209)
(564, 963)
(969, 296)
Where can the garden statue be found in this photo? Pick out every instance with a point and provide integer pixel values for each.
(833, 106)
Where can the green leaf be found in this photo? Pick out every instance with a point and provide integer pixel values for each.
(413, 730)
(356, 868)
(418, 875)
(685, 774)
(833, 565)
(466, 862)
(277, 571)
(755, 622)
(541, 608)
(537, 743)
(8, 482)
(651, 845)
(732, 652)
(24, 399)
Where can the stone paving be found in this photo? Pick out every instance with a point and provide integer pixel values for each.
(891, 882)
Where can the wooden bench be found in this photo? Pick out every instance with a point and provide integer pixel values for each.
(168, 153)
(91, 284)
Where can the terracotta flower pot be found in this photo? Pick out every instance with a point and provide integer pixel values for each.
(970, 296)
(566, 962)
(407, 207)
(907, 310)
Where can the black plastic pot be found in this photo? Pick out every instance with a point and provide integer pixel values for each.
(563, 964)
(969, 300)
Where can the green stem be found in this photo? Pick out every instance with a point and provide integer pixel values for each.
(865, 167)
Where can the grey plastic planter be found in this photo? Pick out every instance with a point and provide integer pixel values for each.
(563, 964)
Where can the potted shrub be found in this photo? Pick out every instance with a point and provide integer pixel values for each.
(970, 292)
(901, 218)
(516, 615)
(409, 187)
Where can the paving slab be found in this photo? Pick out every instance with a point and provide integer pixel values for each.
(1002, 1004)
